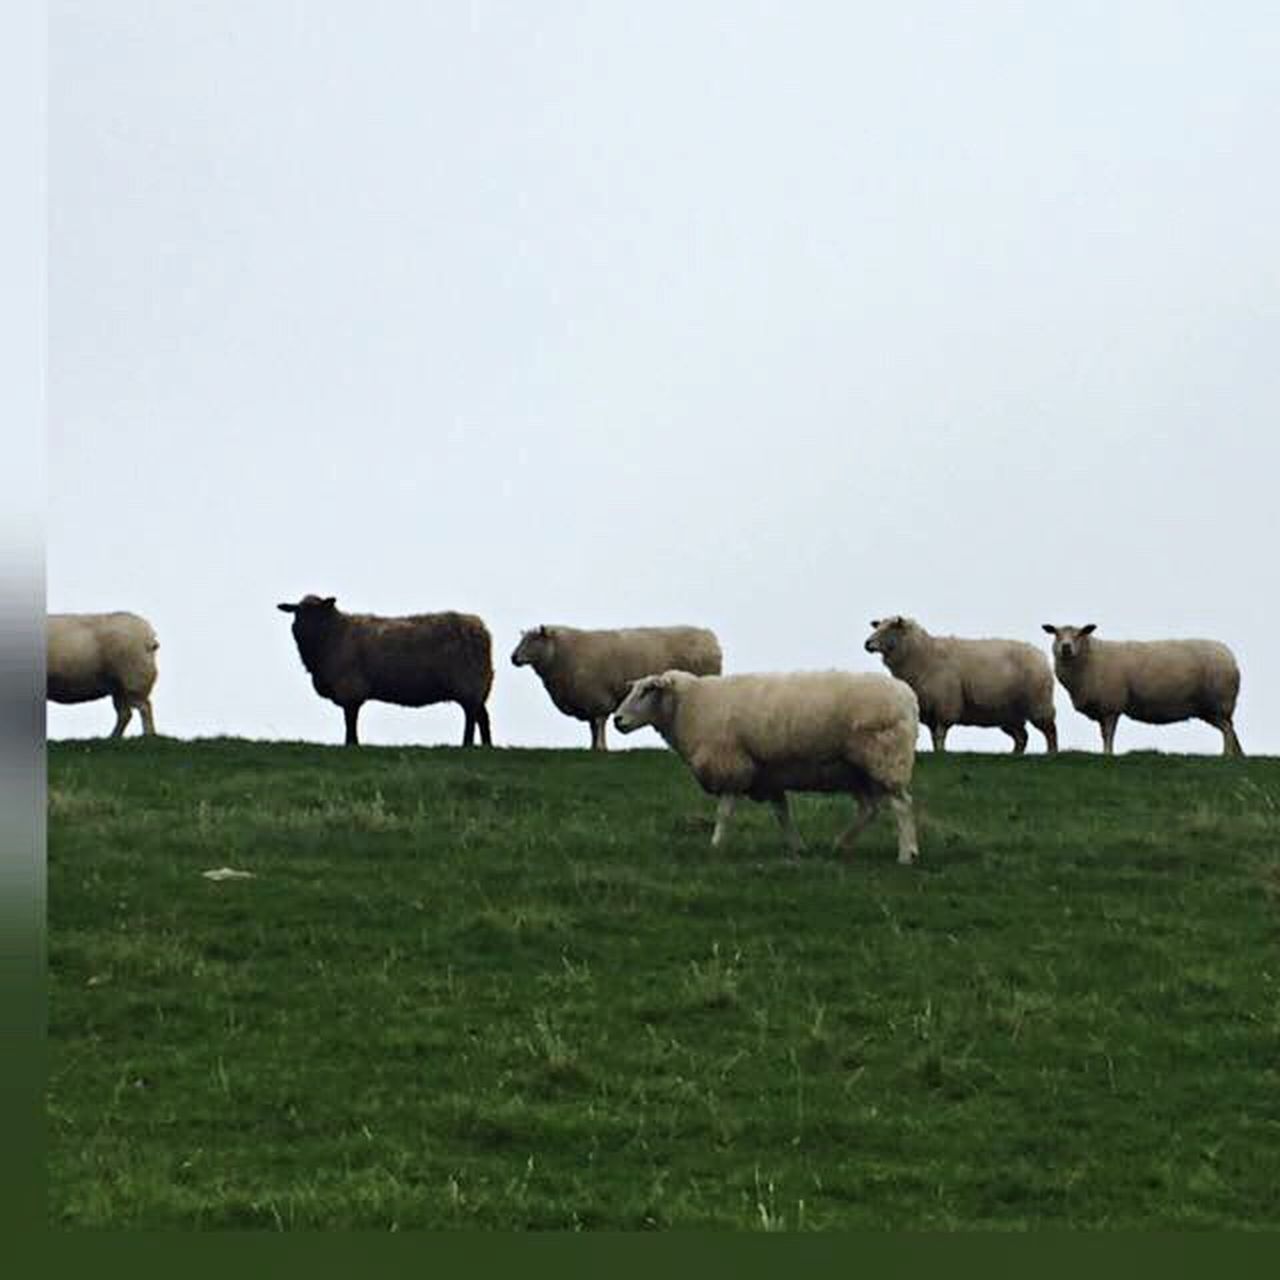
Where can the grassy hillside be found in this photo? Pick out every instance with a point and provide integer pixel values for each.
(516, 989)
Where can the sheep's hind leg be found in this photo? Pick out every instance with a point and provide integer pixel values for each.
(1018, 733)
(468, 727)
(904, 813)
(482, 719)
(148, 721)
(597, 733)
(1050, 730)
(1230, 743)
(124, 713)
(866, 808)
(939, 734)
(782, 811)
(724, 811)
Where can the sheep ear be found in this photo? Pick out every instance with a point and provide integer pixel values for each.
(287, 608)
(542, 630)
(875, 623)
(329, 601)
(1089, 630)
(1049, 627)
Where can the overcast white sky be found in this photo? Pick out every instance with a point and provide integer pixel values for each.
(770, 317)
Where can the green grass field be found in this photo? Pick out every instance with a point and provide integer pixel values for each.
(515, 989)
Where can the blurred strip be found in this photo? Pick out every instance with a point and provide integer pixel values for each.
(23, 276)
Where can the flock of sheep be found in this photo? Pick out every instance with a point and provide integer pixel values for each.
(758, 735)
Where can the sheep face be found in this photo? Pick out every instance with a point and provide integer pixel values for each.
(648, 702)
(535, 647)
(311, 613)
(1070, 643)
(886, 634)
(310, 605)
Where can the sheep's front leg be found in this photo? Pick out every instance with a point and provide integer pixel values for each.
(939, 734)
(904, 813)
(597, 734)
(724, 811)
(1109, 733)
(866, 808)
(351, 714)
(1019, 735)
(782, 811)
(124, 713)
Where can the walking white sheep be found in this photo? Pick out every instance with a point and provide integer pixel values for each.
(764, 735)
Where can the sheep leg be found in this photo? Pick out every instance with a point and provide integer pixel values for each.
(468, 727)
(904, 813)
(1018, 733)
(482, 719)
(597, 733)
(724, 811)
(148, 721)
(351, 713)
(865, 808)
(782, 811)
(1050, 731)
(939, 733)
(1109, 734)
(124, 713)
(1230, 743)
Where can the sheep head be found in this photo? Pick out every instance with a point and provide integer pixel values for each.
(648, 702)
(310, 606)
(1070, 643)
(887, 633)
(536, 646)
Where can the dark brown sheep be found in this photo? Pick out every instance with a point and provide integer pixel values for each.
(356, 658)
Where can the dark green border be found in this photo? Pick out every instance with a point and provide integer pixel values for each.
(560, 1256)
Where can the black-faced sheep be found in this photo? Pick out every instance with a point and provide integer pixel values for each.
(413, 661)
(992, 683)
(587, 673)
(1155, 681)
(103, 655)
(764, 735)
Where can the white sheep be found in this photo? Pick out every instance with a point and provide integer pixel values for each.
(101, 655)
(764, 735)
(992, 683)
(587, 673)
(1155, 681)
